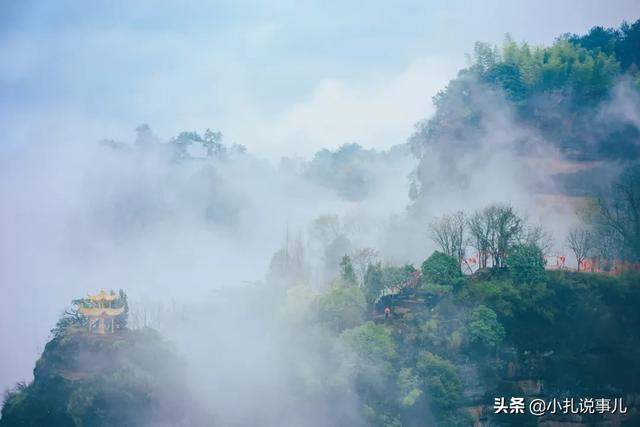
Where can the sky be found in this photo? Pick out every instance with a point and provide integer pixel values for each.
(282, 78)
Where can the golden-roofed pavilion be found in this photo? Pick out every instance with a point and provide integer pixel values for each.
(103, 296)
(100, 312)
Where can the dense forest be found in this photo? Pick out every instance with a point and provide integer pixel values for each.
(366, 339)
(567, 96)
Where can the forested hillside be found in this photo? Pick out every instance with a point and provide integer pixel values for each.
(130, 378)
(577, 97)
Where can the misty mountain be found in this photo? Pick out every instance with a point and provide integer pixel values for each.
(575, 101)
(495, 253)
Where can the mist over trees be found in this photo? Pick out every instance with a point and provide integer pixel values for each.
(618, 214)
(310, 293)
(558, 97)
(449, 234)
(608, 226)
(352, 171)
(488, 236)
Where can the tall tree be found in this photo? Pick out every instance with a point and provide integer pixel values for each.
(506, 229)
(347, 272)
(479, 228)
(212, 142)
(361, 260)
(495, 229)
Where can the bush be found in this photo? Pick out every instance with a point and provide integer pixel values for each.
(526, 264)
(483, 329)
(342, 306)
(371, 342)
(408, 388)
(441, 380)
(369, 355)
(441, 269)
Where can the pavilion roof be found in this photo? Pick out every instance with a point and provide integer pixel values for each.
(103, 296)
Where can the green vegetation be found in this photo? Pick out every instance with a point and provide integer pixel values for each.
(483, 330)
(571, 331)
(441, 269)
(347, 271)
(526, 263)
(342, 306)
(378, 278)
(431, 361)
(559, 92)
(128, 378)
(441, 380)
(456, 341)
(351, 171)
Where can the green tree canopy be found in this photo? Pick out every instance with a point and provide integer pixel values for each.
(441, 269)
(347, 271)
(526, 263)
(440, 380)
(483, 329)
(342, 306)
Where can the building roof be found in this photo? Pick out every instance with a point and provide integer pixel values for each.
(103, 296)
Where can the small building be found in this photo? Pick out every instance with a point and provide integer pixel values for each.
(100, 313)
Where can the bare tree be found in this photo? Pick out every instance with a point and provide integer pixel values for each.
(448, 233)
(494, 230)
(538, 236)
(581, 241)
(361, 259)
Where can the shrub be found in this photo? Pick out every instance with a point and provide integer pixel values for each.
(526, 264)
(441, 380)
(441, 269)
(369, 353)
(483, 329)
(342, 306)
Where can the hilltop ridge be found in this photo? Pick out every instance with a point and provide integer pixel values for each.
(131, 377)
